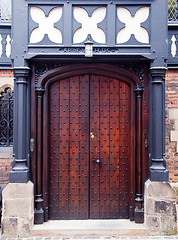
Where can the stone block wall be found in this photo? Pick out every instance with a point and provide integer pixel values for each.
(160, 209)
(171, 107)
(17, 210)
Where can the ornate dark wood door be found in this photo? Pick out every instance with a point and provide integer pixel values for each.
(89, 152)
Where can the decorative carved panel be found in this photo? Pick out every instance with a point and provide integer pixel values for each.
(89, 25)
(133, 25)
(48, 24)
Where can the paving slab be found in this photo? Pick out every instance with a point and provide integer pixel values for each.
(99, 238)
(87, 228)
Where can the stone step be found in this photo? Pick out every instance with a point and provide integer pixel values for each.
(90, 228)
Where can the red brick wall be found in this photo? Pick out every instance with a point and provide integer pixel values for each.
(171, 89)
(5, 168)
(6, 73)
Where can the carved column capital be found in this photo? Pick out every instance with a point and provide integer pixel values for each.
(21, 71)
(139, 92)
(158, 74)
(40, 91)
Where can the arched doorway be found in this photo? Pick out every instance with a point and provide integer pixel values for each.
(90, 150)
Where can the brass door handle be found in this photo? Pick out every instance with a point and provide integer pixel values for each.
(92, 136)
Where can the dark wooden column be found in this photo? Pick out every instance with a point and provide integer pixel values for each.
(39, 213)
(157, 171)
(20, 170)
(139, 211)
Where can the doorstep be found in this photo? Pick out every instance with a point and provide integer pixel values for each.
(58, 228)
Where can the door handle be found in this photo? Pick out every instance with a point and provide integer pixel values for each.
(32, 144)
(92, 136)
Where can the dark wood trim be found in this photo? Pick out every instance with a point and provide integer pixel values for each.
(39, 212)
(45, 172)
(102, 69)
(132, 155)
(33, 129)
(139, 212)
(145, 128)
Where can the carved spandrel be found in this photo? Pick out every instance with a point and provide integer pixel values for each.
(41, 69)
(138, 69)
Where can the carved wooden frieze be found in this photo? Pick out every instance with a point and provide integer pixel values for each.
(43, 68)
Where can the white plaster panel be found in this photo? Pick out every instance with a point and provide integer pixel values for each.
(89, 25)
(46, 25)
(173, 46)
(133, 25)
(8, 46)
(0, 45)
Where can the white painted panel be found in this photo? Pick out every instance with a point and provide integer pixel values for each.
(89, 25)
(133, 25)
(173, 46)
(0, 45)
(46, 25)
(8, 46)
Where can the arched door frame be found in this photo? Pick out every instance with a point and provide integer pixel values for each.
(41, 137)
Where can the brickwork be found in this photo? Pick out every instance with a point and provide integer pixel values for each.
(6, 73)
(5, 168)
(171, 89)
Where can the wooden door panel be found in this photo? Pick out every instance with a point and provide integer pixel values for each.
(109, 186)
(68, 142)
(63, 164)
(124, 149)
(84, 147)
(114, 148)
(74, 156)
(54, 107)
(94, 145)
(104, 167)
(81, 188)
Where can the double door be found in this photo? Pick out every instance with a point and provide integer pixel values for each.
(89, 148)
